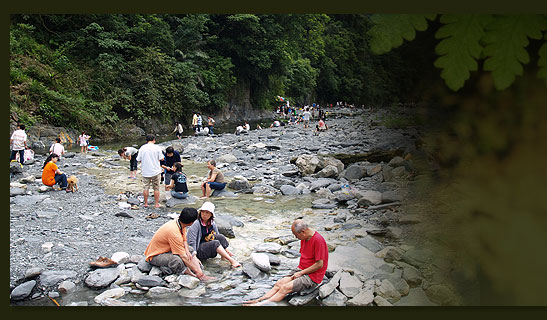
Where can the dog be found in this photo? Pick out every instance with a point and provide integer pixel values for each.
(72, 184)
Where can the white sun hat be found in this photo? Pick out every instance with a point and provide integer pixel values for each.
(208, 206)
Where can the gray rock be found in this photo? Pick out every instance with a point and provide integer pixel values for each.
(67, 286)
(363, 298)
(151, 281)
(307, 164)
(23, 290)
(388, 291)
(252, 271)
(226, 158)
(355, 172)
(327, 172)
(16, 192)
(370, 243)
(369, 197)
(52, 278)
(109, 294)
(350, 285)
(159, 292)
(327, 288)
(261, 261)
(321, 183)
(289, 190)
(300, 300)
(188, 281)
(102, 278)
(33, 272)
(268, 247)
(239, 183)
(274, 260)
(223, 193)
(416, 297)
(382, 302)
(144, 265)
(396, 162)
(335, 299)
(411, 275)
(391, 253)
(173, 202)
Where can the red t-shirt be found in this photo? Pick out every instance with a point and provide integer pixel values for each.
(313, 250)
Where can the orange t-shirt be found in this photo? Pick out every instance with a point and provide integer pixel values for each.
(48, 175)
(168, 238)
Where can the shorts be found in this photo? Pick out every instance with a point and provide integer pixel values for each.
(217, 185)
(301, 283)
(154, 181)
(306, 122)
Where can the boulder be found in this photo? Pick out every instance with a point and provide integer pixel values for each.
(223, 193)
(101, 278)
(268, 247)
(369, 197)
(261, 261)
(144, 265)
(327, 288)
(307, 164)
(252, 271)
(363, 298)
(226, 158)
(327, 172)
(355, 172)
(120, 257)
(388, 291)
(289, 190)
(441, 295)
(239, 183)
(151, 281)
(52, 278)
(23, 290)
(109, 294)
(177, 202)
(336, 299)
(391, 196)
(350, 285)
(396, 162)
(188, 281)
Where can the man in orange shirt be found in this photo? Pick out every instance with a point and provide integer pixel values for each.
(169, 248)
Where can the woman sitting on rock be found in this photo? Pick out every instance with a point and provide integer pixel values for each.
(204, 237)
(51, 174)
(215, 180)
(178, 186)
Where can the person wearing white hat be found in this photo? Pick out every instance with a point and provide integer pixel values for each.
(204, 237)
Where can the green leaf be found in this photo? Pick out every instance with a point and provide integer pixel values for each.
(389, 30)
(460, 47)
(542, 62)
(506, 38)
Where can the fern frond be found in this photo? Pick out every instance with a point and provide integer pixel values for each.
(505, 39)
(460, 47)
(389, 30)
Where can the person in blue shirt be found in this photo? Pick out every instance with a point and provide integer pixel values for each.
(170, 157)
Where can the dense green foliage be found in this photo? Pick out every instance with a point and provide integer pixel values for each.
(91, 71)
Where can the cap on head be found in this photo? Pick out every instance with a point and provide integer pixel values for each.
(208, 206)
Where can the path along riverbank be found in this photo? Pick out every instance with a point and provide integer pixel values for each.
(275, 175)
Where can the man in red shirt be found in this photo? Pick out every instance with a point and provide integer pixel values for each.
(311, 269)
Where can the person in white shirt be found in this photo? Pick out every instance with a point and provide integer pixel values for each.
(247, 126)
(178, 129)
(306, 118)
(18, 143)
(83, 138)
(57, 148)
(130, 153)
(150, 156)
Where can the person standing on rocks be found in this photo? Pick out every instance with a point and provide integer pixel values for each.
(195, 122)
(150, 156)
(203, 235)
(306, 118)
(51, 174)
(18, 143)
(83, 138)
(310, 271)
(215, 180)
(211, 124)
(130, 153)
(57, 147)
(169, 248)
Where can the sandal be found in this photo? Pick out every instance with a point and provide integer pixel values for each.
(103, 262)
(152, 216)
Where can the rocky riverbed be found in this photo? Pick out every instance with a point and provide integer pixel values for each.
(275, 175)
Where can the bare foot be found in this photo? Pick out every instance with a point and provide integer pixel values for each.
(206, 278)
(236, 265)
